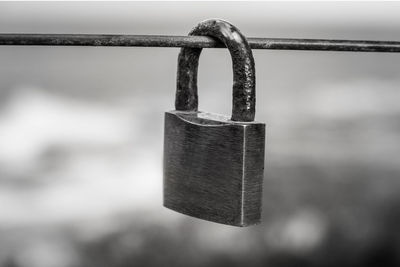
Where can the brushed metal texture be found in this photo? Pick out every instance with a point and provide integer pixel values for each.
(213, 167)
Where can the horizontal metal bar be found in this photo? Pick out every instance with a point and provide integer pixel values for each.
(195, 41)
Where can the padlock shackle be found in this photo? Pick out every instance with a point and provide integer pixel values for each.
(244, 82)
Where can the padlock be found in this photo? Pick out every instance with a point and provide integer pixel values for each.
(213, 164)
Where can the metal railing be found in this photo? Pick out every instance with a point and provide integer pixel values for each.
(196, 42)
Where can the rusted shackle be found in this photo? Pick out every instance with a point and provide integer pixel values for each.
(244, 93)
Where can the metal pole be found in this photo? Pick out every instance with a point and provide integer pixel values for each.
(195, 41)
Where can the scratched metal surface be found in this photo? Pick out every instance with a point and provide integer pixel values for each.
(213, 172)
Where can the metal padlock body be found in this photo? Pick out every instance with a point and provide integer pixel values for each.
(214, 167)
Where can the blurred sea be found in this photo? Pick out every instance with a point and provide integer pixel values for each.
(81, 135)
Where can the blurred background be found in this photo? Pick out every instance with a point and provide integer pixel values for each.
(81, 136)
